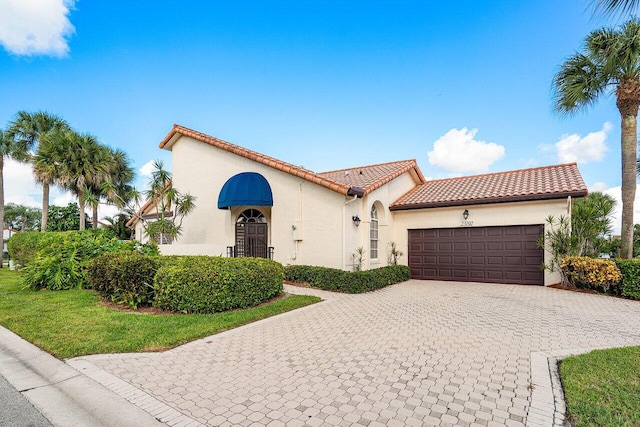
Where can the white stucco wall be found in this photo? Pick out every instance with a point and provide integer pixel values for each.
(516, 213)
(318, 213)
(383, 197)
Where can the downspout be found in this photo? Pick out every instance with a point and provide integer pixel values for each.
(344, 230)
(296, 242)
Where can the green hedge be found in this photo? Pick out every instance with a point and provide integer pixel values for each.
(201, 284)
(332, 279)
(61, 258)
(124, 277)
(23, 246)
(630, 269)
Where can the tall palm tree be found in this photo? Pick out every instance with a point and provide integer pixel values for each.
(36, 131)
(114, 186)
(83, 166)
(608, 63)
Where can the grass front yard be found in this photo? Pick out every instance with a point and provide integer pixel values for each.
(602, 388)
(74, 322)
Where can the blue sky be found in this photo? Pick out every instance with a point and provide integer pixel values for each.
(463, 87)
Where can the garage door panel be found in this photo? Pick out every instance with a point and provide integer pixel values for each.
(495, 275)
(513, 260)
(445, 259)
(460, 246)
(460, 274)
(494, 260)
(513, 246)
(533, 260)
(477, 246)
(495, 246)
(507, 254)
(461, 260)
(477, 275)
(477, 260)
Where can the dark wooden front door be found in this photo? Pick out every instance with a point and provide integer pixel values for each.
(251, 239)
(507, 254)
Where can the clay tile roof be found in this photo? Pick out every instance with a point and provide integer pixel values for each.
(549, 182)
(371, 177)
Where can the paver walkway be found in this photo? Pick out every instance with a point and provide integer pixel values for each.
(416, 353)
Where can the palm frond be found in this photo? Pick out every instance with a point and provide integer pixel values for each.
(578, 84)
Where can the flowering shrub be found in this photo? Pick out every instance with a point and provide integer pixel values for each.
(590, 273)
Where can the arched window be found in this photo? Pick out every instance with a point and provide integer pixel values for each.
(251, 215)
(373, 233)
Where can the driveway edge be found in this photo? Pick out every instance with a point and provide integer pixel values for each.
(547, 396)
(62, 394)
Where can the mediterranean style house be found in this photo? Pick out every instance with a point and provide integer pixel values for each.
(482, 228)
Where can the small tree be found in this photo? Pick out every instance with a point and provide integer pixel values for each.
(358, 258)
(559, 242)
(64, 218)
(591, 223)
(394, 254)
(170, 205)
(117, 225)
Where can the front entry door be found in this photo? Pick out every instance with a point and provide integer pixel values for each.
(251, 239)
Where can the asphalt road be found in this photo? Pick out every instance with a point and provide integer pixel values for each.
(16, 410)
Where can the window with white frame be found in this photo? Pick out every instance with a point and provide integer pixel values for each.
(373, 233)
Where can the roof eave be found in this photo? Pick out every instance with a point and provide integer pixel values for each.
(489, 200)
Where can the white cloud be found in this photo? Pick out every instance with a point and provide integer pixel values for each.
(458, 151)
(147, 169)
(598, 186)
(574, 148)
(36, 27)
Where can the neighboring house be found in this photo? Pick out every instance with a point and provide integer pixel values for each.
(480, 228)
(6, 234)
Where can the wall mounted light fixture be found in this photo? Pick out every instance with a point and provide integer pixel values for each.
(465, 214)
(356, 220)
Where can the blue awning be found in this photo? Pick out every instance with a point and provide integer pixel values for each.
(245, 189)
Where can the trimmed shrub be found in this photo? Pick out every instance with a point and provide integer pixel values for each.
(124, 277)
(590, 273)
(23, 246)
(332, 279)
(630, 283)
(201, 284)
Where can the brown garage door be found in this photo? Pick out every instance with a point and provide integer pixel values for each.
(478, 254)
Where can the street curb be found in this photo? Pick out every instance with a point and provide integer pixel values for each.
(134, 395)
(63, 395)
(547, 397)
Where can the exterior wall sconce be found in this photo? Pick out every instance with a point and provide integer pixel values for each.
(465, 214)
(356, 220)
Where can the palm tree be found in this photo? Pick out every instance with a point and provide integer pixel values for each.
(616, 6)
(114, 186)
(26, 216)
(37, 130)
(84, 165)
(608, 63)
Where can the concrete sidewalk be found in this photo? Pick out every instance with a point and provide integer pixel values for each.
(65, 397)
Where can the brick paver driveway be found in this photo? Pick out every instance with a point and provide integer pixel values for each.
(416, 353)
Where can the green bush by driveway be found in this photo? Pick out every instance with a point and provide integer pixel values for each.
(355, 282)
(201, 284)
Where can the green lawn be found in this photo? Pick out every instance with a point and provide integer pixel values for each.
(602, 388)
(74, 323)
